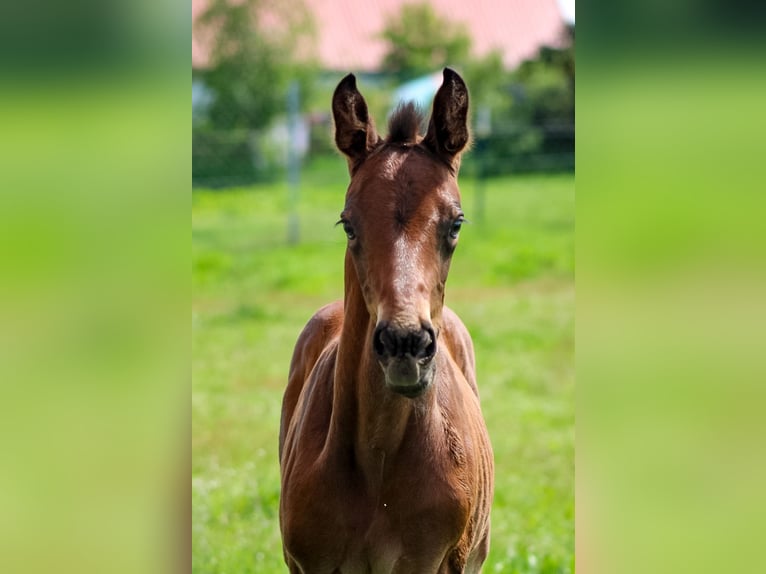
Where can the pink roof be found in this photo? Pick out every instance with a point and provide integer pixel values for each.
(349, 30)
(199, 55)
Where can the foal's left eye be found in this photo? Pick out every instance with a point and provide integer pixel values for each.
(455, 227)
(349, 231)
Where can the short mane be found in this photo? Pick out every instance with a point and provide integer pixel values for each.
(404, 125)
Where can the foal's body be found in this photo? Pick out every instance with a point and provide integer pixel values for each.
(386, 463)
(354, 517)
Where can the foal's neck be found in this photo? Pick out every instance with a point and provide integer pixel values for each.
(381, 417)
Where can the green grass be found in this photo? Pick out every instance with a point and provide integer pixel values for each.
(512, 282)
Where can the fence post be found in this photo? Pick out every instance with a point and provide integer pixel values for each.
(483, 130)
(293, 163)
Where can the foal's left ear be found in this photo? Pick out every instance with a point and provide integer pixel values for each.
(448, 129)
(355, 133)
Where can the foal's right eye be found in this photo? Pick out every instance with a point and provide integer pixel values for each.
(455, 227)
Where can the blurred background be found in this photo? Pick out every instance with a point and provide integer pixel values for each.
(95, 256)
(268, 186)
(261, 69)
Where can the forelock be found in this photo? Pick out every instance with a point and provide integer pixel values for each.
(404, 125)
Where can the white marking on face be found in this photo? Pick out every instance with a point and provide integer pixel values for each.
(391, 165)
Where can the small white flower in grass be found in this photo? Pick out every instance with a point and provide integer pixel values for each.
(532, 560)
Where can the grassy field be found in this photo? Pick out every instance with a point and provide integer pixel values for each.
(512, 282)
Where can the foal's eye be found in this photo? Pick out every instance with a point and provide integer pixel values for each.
(455, 227)
(349, 231)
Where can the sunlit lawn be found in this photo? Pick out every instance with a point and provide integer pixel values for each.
(511, 282)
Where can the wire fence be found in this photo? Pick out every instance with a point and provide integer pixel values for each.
(225, 158)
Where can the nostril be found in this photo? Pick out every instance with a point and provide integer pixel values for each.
(429, 339)
(388, 341)
(377, 340)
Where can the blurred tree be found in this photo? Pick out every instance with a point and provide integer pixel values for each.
(533, 113)
(544, 99)
(486, 78)
(257, 48)
(420, 41)
(547, 83)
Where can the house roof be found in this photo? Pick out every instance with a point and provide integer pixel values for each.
(349, 30)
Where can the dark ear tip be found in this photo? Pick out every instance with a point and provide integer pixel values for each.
(449, 74)
(348, 83)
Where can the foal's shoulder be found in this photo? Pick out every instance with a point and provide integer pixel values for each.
(328, 319)
(324, 326)
(460, 345)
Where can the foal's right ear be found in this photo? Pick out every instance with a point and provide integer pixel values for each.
(355, 133)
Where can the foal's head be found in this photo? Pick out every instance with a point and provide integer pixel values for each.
(402, 218)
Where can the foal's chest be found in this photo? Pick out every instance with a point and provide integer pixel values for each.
(409, 523)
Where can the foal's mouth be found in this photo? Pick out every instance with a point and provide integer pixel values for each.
(411, 391)
(405, 353)
(408, 376)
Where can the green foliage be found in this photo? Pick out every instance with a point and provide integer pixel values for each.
(420, 41)
(533, 116)
(547, 85)
(485, 78)
(258, 48)
(511, 282)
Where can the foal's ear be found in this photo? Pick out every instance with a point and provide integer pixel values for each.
(448, 129)
(355, 133)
